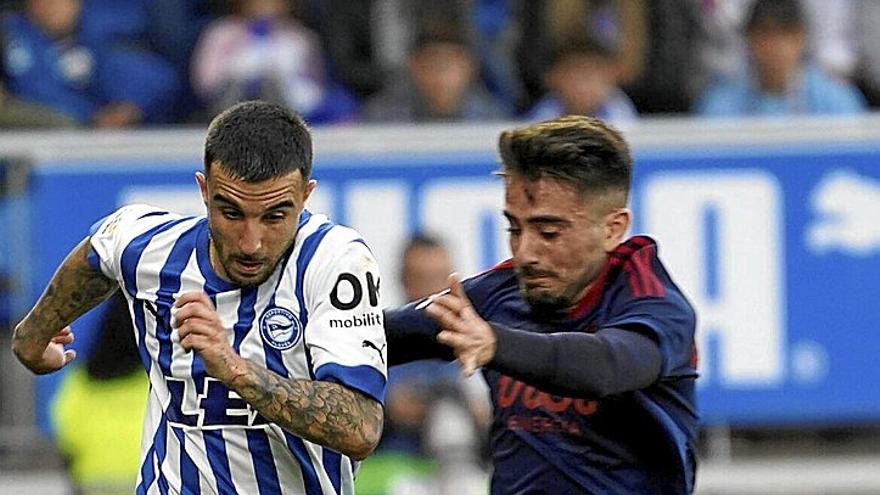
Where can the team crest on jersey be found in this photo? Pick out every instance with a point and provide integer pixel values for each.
(280, 328)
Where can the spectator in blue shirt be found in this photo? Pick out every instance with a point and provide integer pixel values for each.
(50, 62)
(780, 82)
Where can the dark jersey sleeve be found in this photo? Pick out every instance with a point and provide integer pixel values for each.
(412, 335)
(669, 320)
(577, 364)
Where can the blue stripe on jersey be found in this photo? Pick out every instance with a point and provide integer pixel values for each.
(153, 214)
(128, 262)
(310, 476)
(189, 473)
(246, 313)
(132, 253)
(141, 326)
(366, 379)
(333, 467)
(274, 360)
(264, 465)
(306, 253)
(161, 449)
(361, 241)
(304, 218)
(148, 471)
(169, 284)
(216, 451)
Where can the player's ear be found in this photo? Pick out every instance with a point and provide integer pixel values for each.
(309, 189)
(616, 226)
(202, 181)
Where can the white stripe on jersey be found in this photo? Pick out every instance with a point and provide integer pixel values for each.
(198, 436)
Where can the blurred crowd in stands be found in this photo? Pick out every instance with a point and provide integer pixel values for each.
(110, 63)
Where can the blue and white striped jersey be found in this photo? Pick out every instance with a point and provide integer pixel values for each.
(317, 317)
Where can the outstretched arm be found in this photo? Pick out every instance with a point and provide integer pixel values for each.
(326, 413)
(75, 288)
(412, 335)
(574, 364)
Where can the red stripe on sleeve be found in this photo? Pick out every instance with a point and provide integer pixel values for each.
(641, 268)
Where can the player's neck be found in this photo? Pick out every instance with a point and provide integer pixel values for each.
(216, 265)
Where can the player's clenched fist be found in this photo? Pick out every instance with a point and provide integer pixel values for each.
(201, 330)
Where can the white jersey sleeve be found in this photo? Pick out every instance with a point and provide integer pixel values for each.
(345, 335)
(111, 235)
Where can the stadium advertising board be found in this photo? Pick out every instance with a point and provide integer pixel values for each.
(778, 248)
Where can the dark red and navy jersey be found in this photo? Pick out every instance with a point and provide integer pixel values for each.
(635, 442)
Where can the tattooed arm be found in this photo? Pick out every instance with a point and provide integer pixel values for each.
(322, 412)
(325, 413)
(76, 287)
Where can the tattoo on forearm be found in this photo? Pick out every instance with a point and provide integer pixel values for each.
(322, 412)
(74, 289)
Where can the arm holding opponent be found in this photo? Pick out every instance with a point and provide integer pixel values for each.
(566, 363)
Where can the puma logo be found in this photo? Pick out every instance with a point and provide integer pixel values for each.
(367, 343)
(845, 204)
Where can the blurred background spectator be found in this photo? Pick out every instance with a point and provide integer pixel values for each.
(582, 80)
(779, 80)
(99, 408)
(51, 59)
(618, 25)
(262, 52)
(439, 83)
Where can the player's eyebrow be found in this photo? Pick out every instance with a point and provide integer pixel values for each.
(279, 206)
(547, 219)
(223, 199)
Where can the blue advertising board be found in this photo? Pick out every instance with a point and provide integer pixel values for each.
(777, 247)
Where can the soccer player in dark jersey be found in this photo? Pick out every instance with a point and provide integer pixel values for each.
(584, 339)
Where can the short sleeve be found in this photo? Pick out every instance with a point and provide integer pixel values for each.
(110, 235)
(345, 335)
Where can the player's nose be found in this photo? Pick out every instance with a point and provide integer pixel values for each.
(528, 249)
(251, 239)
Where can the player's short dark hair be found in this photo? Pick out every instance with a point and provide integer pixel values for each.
(258, 140)
(581, 150)
(776, 15)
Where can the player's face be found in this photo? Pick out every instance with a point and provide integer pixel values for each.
(560, 238)
(252, 224)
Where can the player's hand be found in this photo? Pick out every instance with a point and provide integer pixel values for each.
(471, 338)
(50, 358)
(201, 330)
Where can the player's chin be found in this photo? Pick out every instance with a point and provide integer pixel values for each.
(250, 279)
(543, 298)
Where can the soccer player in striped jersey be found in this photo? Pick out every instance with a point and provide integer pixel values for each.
(260, 325)
(585, 341)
